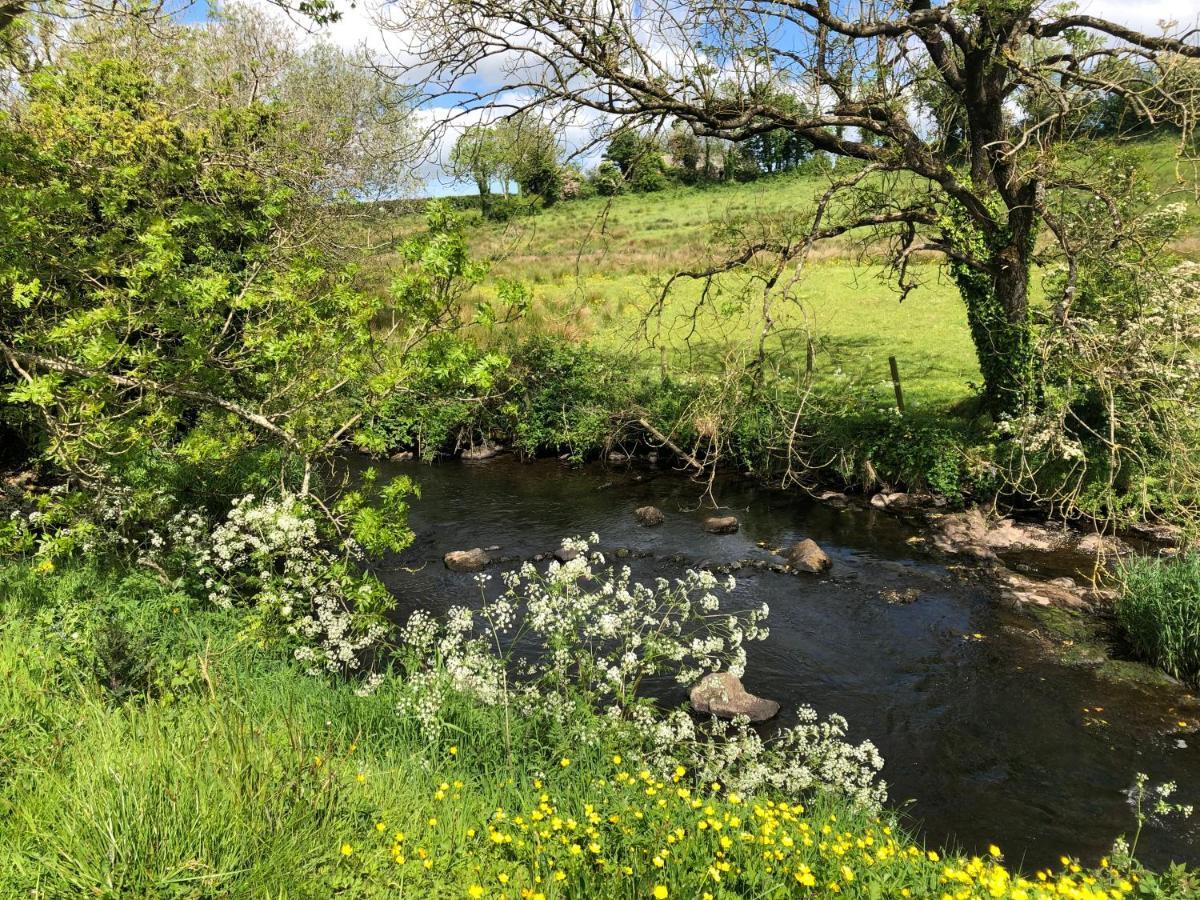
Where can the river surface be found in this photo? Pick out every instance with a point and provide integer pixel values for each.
(986, 736)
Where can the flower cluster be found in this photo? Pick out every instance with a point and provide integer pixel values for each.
(268, 556)
(581, 634)
(628, 833)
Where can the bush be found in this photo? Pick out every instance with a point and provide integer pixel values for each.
(1159, 611)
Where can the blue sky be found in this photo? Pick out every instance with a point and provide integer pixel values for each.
(356, 28)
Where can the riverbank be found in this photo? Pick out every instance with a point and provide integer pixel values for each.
(149, 747)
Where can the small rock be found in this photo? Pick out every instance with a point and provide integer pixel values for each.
(563, 555)
(836, 499)
(652, 457)
(1008, 535)
(806, 556)
(900, 598)
(879, 501)
(965, 533)
(1066, 581)
(1159, 532)
(649, 516)
(721, 694)
(1101, 545)
(721, 524)
(622, 552)
(486, 450)
(402, 456)
(474, 560)
(617, 456)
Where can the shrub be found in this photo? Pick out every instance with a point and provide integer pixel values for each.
(1159, 611)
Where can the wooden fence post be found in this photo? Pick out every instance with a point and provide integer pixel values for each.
(896, 383)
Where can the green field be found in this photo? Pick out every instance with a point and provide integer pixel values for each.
(596, 268)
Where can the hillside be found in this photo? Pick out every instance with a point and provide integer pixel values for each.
(597, 266)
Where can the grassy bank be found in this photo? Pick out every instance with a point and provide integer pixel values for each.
(1159, 611)
(148, 749)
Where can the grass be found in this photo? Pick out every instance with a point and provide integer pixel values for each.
(1159, 610)
(230, 773)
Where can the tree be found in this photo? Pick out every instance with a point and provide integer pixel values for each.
(481, 154)
(533, 156)
(976, 179)
(639, 158)
(171, 299)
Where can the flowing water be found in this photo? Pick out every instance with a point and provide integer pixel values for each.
(987, 737)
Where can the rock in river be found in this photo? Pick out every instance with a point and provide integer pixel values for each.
(806, 556)
(565, 555)
(474, 560)
(649, 516)
(483, 451)
(721, 524)
(721, 694)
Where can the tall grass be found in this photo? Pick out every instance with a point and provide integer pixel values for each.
(1159, 610)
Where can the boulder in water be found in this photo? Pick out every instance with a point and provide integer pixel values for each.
(486, 450)
(721, 694)
(649, 516)
(474, 560)
(806, 556)
(721, 525)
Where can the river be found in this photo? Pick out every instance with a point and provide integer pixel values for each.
(987, 736)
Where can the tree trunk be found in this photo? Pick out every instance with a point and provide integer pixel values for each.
(1002, 327)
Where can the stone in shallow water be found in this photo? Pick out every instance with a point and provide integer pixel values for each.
(474, 560)
(721, 694)
(806, 556)
(721, 524)
(563, 555)
(649, 516)
(483, 451)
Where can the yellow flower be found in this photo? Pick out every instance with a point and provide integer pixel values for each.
(616, 759)
(994, 851)
(564, 762)
(454, 752)
(932, 854)
(379, 826)
(475, 891)
(360, 778)
(660, 892)
(347, 849)
(502, 878)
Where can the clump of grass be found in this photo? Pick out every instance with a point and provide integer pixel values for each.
(1159, 611)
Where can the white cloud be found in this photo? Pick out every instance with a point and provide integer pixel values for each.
(1144, 15)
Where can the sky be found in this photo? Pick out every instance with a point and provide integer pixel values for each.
(356, 28)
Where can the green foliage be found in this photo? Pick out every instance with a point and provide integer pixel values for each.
(917, 450)
(186, 306)
(1159, 611)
